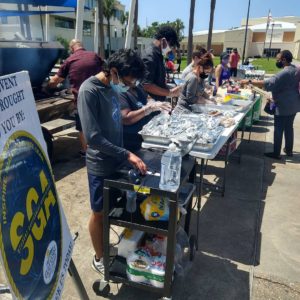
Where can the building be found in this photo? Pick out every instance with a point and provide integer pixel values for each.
(63, 25)
(283, 33)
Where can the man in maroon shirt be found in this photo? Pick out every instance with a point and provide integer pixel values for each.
(79, 66)
(233, 62)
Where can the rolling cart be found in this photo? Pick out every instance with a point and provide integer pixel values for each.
(115, 269)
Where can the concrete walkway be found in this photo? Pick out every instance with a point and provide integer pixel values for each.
(249, 241)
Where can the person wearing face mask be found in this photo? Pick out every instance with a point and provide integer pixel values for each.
(99, 111)
(78, 67)
(154, 81)
(191, 93)
(222, 71)
(195, 59)
(285, 93)
(137, 110)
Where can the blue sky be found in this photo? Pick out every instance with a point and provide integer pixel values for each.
(228, 13)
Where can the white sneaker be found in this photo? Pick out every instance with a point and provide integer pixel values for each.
(98, 265)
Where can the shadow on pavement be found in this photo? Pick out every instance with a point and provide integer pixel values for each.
(209, 278)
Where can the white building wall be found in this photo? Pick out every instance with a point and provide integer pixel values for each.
(257, 48)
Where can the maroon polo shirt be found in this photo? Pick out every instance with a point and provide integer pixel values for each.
(80, 66)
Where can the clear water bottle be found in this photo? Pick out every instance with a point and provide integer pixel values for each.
(170, 169)
(131, 201)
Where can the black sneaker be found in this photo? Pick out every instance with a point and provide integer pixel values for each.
(290, 154)
(98, 265)
(272, 155)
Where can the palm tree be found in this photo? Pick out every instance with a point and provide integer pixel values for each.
(108, 12)
(124, 19)
(179, 26)
(101, 29)
(191, 26)
(211, 23)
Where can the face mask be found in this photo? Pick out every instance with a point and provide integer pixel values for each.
(279, 64)
(119, 87)
(166, 50)
(225, 62)
(203, 75)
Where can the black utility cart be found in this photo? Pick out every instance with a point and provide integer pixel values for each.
(115, 268)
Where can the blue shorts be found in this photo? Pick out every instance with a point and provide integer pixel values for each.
(96, 192)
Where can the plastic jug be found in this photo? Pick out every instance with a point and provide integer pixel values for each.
(170, 169)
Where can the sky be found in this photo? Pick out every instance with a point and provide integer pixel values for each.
(228, 13)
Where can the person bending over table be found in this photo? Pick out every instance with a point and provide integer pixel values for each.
(154, 81)
(99, 111)
(137, 110)
(191, 93)
(285, 92)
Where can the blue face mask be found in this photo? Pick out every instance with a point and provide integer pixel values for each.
(119, 87)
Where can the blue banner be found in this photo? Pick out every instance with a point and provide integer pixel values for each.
(17, 13)
(66, 3)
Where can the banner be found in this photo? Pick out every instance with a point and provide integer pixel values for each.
(35, 241)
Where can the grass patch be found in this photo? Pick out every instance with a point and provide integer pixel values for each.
(265, 64)
(260, 63)
(184, 62)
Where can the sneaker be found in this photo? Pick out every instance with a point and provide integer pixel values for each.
(98, 265)
(272, 155)
(82, 153)
(287, 153)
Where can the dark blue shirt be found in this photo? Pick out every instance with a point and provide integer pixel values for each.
(134, 101)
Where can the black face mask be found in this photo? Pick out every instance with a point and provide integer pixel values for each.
(279, 64)
(203, 75)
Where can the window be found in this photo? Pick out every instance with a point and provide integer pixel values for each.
(271, 52)
(118, 14)
(87, 28)
(3, 20)
(90, 3)
(64, 23)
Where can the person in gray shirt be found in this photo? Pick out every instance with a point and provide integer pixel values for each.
(285, 92)
(195, 59)
(191, 91)
(99, 111)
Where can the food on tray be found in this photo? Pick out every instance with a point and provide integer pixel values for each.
(200, 130)
(214, 112)
(227, 122)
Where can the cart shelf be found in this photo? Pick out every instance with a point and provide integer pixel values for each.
(117, 273)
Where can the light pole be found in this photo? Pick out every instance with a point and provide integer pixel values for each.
(269, 52)
(246, 31)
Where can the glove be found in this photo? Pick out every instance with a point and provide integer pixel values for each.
(175, 92)
(156, 106)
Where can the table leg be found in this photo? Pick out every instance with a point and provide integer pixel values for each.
(199, 197)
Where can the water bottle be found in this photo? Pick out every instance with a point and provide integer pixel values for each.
(131, 201)
(170, 169)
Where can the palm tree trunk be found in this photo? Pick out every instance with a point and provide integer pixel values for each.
(101, 29)
(108, 34)
(191, 26)
(135, 29)
(211, 23)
